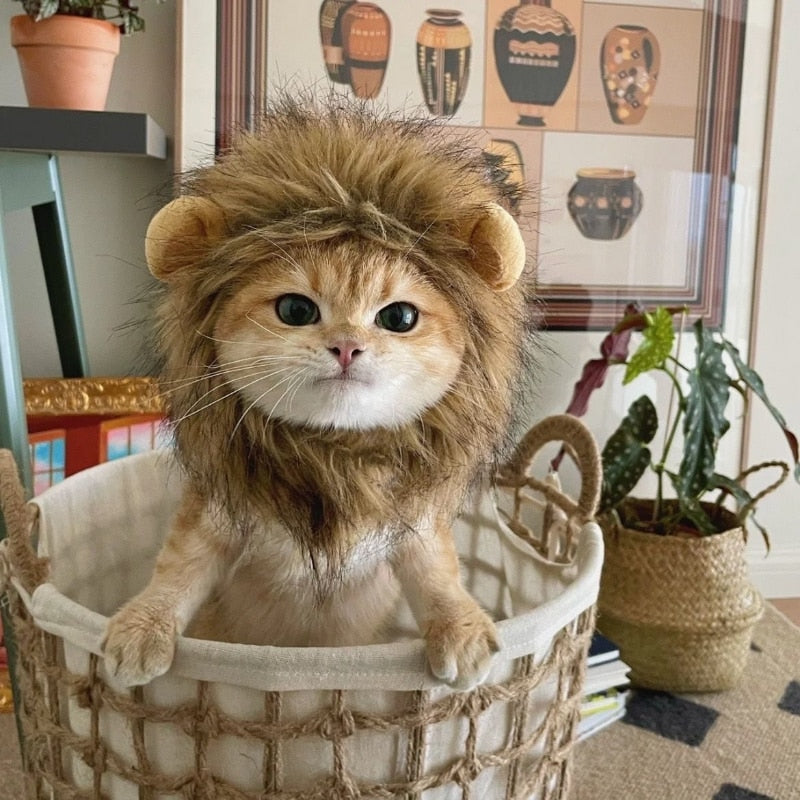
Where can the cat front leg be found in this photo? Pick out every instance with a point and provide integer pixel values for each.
(460, 637)
(139, 643)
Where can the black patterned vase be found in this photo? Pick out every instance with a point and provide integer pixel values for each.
(330, 34)
(534, 50)
(604, 203)
(444, 45)
(505, 159)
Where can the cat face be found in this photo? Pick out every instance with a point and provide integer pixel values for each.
(344, 335)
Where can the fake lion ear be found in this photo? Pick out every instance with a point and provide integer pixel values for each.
(179, 231)
(499, 250)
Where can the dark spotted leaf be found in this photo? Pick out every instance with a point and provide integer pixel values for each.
(704, 421)
(626, 456)
(744, 502)
(754, 382)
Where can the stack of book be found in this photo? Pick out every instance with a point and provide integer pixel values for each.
(605, 687)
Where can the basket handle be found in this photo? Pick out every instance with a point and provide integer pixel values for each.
(29, 569)
(582, 447)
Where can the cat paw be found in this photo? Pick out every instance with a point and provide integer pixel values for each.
(460, 648)
(139, 644)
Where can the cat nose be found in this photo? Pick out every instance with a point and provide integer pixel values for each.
(345, 351)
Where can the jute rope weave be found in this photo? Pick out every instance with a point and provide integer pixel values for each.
(681, 608)
(533, 761)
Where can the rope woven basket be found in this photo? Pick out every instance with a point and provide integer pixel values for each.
(245, 723)
(681, 609)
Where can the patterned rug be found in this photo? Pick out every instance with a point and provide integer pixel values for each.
(738, 745)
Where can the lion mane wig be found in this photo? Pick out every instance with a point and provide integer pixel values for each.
(317, 172)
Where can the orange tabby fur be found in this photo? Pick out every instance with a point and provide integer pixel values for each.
(320, 485)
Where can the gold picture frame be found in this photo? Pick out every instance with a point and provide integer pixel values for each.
(100, 396)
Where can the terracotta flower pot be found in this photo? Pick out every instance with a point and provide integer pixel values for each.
(66, 61)
(681, 608)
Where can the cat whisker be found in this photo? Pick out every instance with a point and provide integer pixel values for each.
(222, 341)
(278, 401)
(216, 373)
(265, 329)
(458, 387)
(286, 254)
(291, 378)
(193, 410)
(419, 238)
(301, 380)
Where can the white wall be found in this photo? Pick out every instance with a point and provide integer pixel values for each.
(109, 201)
(776, 351)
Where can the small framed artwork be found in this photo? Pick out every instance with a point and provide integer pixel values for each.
(621, 117)
(76, 423)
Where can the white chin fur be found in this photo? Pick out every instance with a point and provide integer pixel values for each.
(351, 405)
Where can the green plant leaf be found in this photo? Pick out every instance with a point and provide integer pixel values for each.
(754, 382)
(658, 337)
(40, 9)
(704, 422)
(692, 510)
(626, 456)
(744, 500)
(732, 487)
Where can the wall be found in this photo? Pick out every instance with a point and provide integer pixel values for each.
(109, 201)
(775, 353)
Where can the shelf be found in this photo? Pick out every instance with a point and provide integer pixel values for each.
(54, 129)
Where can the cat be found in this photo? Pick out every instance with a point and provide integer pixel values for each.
(343, 328)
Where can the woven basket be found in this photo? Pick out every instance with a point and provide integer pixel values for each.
(247, 723)
(682, 609)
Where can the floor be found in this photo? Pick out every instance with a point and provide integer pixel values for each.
(790, 607)
(11, 778)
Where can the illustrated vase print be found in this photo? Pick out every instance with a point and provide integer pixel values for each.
(604, 203)
(629, 62)
(330, 34)
(444, 46)
(504, 155)
(534, 51)
(366, 37)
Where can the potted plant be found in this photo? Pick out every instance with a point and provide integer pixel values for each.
(675, 594)
(66, 49)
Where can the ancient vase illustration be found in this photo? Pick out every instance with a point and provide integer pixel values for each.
(444, 45)
(629, 62)
(330, 33)
(504, 156)
(604, 203)
(366, 35)
(534, 50)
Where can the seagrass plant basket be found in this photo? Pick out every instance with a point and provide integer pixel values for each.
(681, 608)
(251, 723)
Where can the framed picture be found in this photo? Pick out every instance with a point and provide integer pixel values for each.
(623, 118)
(75, 423)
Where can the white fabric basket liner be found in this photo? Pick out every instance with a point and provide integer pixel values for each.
(102, 530)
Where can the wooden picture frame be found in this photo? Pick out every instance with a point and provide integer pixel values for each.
(682, 152)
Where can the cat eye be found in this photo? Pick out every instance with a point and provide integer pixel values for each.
(397, 317)
(296, 309)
